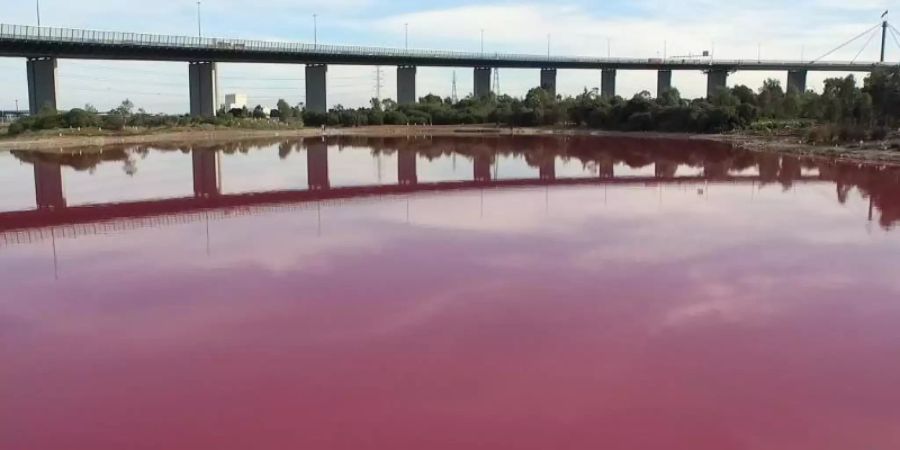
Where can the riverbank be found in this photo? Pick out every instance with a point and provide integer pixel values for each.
(883, 152)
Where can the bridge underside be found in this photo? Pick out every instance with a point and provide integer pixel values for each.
(230, 54)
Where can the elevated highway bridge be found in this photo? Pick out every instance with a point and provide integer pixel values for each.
(43, 46)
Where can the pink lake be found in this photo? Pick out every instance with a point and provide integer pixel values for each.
(448, 293)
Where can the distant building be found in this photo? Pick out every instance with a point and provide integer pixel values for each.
(235, 101)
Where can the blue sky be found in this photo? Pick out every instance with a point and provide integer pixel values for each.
(640, 28)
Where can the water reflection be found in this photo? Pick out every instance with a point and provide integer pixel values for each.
(339, 168)
(518, 293)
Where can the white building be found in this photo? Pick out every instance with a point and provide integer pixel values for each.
(235, 101)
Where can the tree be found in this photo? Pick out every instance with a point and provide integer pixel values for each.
(125, 108)
(771, 99)
(285, 112)
(259, 112)
(669, 97)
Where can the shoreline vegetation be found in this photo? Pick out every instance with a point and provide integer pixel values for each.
(845, 121)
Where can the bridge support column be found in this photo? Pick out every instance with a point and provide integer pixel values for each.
(769, 167)
(663, 82)
(548, 81)
(316, 88)
(203, 88)
(796, 81)
(48, 186)
(317, 165)
(715, 170)
(482, 168)
(791, 170)
(606, 169)
(482, 81)
(715, 80)
(406, 167)
(548, 170)
(41, 84)
(666, 169)
(608, 83)
(207, 173)
(406, 85)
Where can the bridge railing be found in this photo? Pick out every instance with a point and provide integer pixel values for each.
(113, 38)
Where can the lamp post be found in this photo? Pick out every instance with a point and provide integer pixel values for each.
(315, 30)
(482, 42)
(406, 35)
(548, 46)
(199, 21)
(37, 6)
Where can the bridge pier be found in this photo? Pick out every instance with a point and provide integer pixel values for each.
(606, 169)
(207, 173)
(317, 165)
(715, 80)
(796, 81)
(548, 170)
(608, 83)
(406, 85)
(769, 167)
(48, 186)
(482, 82)
(41, 83)
(715, 170)
(665, 169)
(482, 166)
(791, 170)
(663, 82)
(406, 168)
(203, 88)
(548, 81)
(316, 88)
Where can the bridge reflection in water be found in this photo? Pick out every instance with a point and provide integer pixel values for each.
(713, 163)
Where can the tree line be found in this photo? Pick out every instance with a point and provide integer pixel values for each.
(843, 111)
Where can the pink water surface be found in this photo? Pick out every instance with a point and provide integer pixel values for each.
(698, 316)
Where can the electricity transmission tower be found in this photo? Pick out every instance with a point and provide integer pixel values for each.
(453, 96)
(379, 76)
(496, 83)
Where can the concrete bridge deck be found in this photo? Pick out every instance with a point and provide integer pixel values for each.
(28, 41)
(31, 224)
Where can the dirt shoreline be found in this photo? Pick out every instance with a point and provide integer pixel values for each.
(879, 153)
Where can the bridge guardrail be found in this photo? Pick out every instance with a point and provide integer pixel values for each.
(95, 37)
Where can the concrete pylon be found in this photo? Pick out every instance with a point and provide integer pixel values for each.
(547, 170)
(796, 81)
(48, 185)
(482, 81)
(716, 79)
(548, 81)
(663, 82)
(665, 169)
(317, 88)
(203, 88)
(608, 83)
(207, 173)
(41, 84)
(406, 85)
(406, 167)
(482, 168)
(317, 165)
